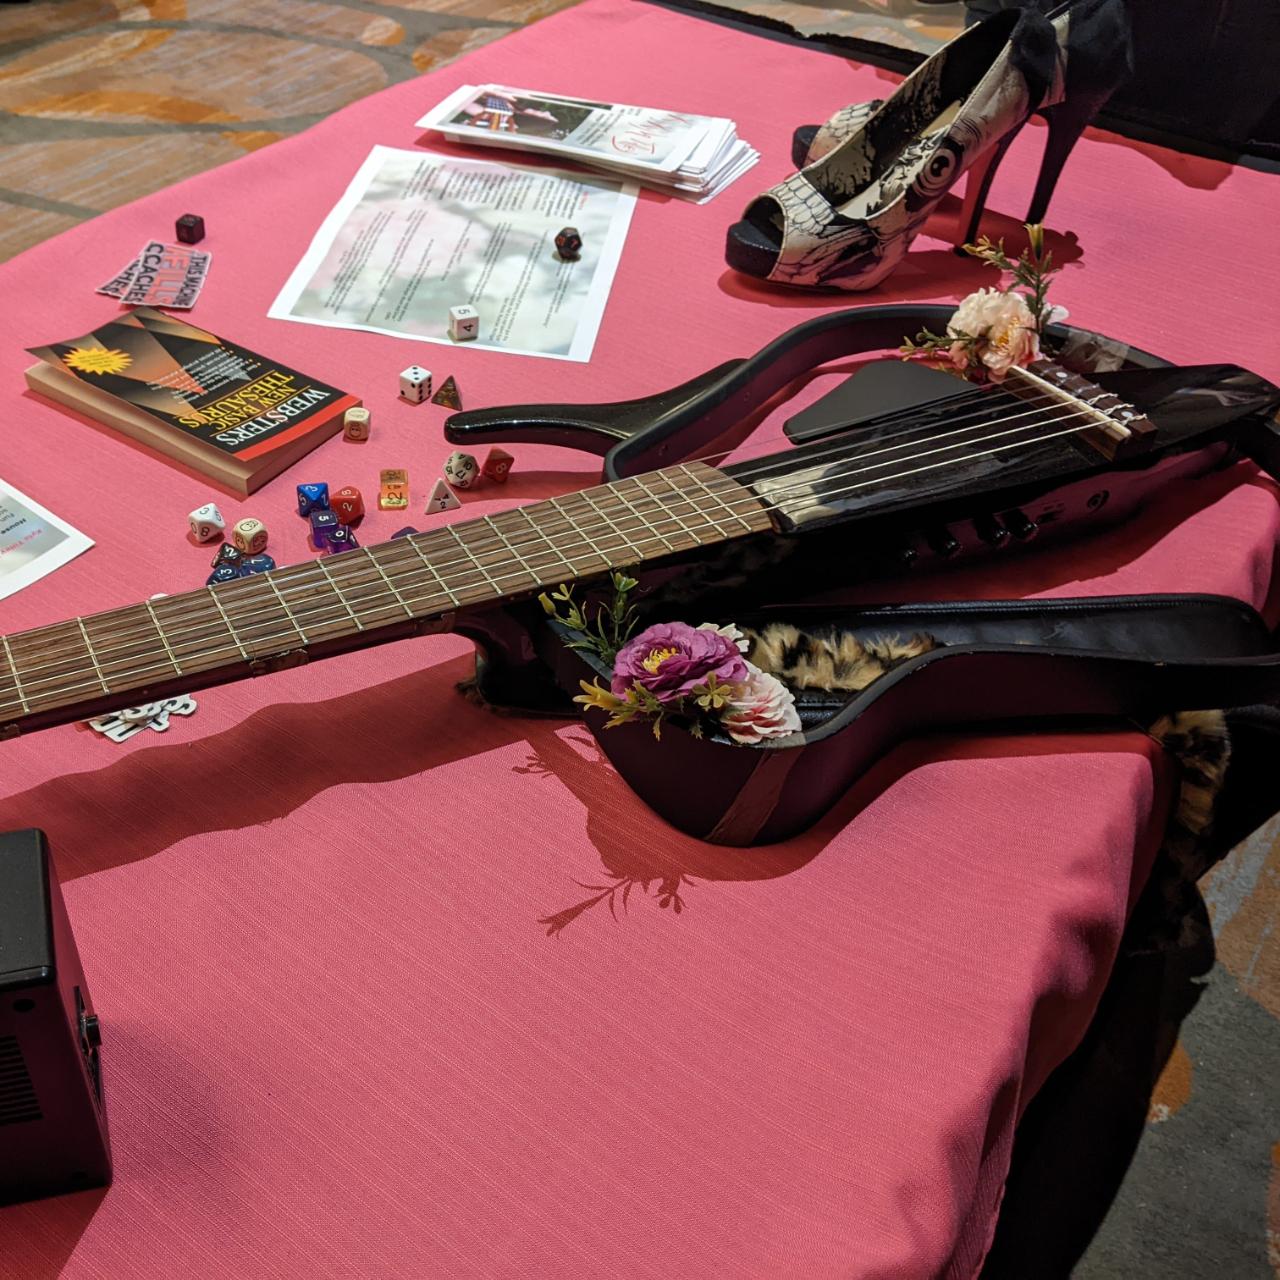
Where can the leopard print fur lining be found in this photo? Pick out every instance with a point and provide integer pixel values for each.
(834, 661)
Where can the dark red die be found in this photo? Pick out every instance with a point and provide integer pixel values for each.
(568, 243)
(497, 466)
(347, 504)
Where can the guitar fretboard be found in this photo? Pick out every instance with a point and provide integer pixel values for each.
(361, 597)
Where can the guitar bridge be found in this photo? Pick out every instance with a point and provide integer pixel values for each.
(1109, 425)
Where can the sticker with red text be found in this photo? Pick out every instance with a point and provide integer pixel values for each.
(162, 275)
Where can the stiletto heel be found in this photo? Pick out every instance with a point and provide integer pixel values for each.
(977, 185)
(1066, 122)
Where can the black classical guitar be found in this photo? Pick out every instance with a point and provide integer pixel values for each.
(949, 472)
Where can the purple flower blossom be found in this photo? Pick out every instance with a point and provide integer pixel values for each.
(671, 658)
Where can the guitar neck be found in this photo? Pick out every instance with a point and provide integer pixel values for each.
(419, 583)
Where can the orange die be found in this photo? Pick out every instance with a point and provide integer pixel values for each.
(347, 504)
(393, 490)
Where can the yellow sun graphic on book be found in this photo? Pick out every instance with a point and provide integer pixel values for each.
(97, 360)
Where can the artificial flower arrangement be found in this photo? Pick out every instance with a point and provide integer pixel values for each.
(697, 676)
(994, 329)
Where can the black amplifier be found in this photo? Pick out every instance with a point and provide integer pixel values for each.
(53, 1122)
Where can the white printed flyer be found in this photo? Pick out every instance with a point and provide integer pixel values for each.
(416, 234)
(33, 541)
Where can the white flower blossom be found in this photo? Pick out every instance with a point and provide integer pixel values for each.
(761, 707)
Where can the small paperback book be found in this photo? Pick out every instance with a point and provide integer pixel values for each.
(226, 412)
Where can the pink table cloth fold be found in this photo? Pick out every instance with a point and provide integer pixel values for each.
(394, 987)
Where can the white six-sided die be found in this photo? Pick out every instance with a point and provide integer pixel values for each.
(415, 384)
(461, 470)
(206, 523)
(464, 323)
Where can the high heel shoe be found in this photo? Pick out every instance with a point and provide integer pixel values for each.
(845, 220)
(1096, 46)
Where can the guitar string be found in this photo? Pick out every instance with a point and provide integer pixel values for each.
(329, 615)
(319, 577)
(315, 573)
(841, 449)
(309, 577)
(325, 579)
(956, 426)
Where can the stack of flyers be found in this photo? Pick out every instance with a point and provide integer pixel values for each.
(694, 156)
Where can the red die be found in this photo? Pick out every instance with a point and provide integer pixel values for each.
(497, 465)
(347, 504)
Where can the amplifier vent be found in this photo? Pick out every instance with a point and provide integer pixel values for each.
(18, 1102)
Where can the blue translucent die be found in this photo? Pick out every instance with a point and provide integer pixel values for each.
(223, 573)
(228, 553)
(323, 523)
(312, 497)
(257, 564)
(342, 539)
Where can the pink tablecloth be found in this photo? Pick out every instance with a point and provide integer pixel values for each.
(338, 1040)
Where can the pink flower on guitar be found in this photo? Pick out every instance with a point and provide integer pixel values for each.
(1004, 327)
(671, 659)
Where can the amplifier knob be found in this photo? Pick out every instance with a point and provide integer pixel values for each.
(1020, 525)
(943, 542)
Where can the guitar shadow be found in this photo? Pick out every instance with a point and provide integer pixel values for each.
(644, 853)
(91, 817)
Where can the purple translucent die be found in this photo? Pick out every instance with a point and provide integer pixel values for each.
(342, 539)
(323, 523)
(405, 532)
(223, 573)
(257, 564)
(312, 497)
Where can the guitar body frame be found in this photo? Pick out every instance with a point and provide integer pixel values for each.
(999, 663)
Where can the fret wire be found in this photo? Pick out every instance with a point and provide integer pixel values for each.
(541, 545)
(88, 644)
(373, 560)
(293, 621)
(366, 593)
(628, 546)
(13, 672)
(484, 573)
(133, 652)
(413, 543)
(712, 491)
(662, 501)
(362, 592)
(551, 546)
(535, 574)
(324, 569)
(164, 640)
(666, 478)
(644, 520)
(591, 542)
(226, 618)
